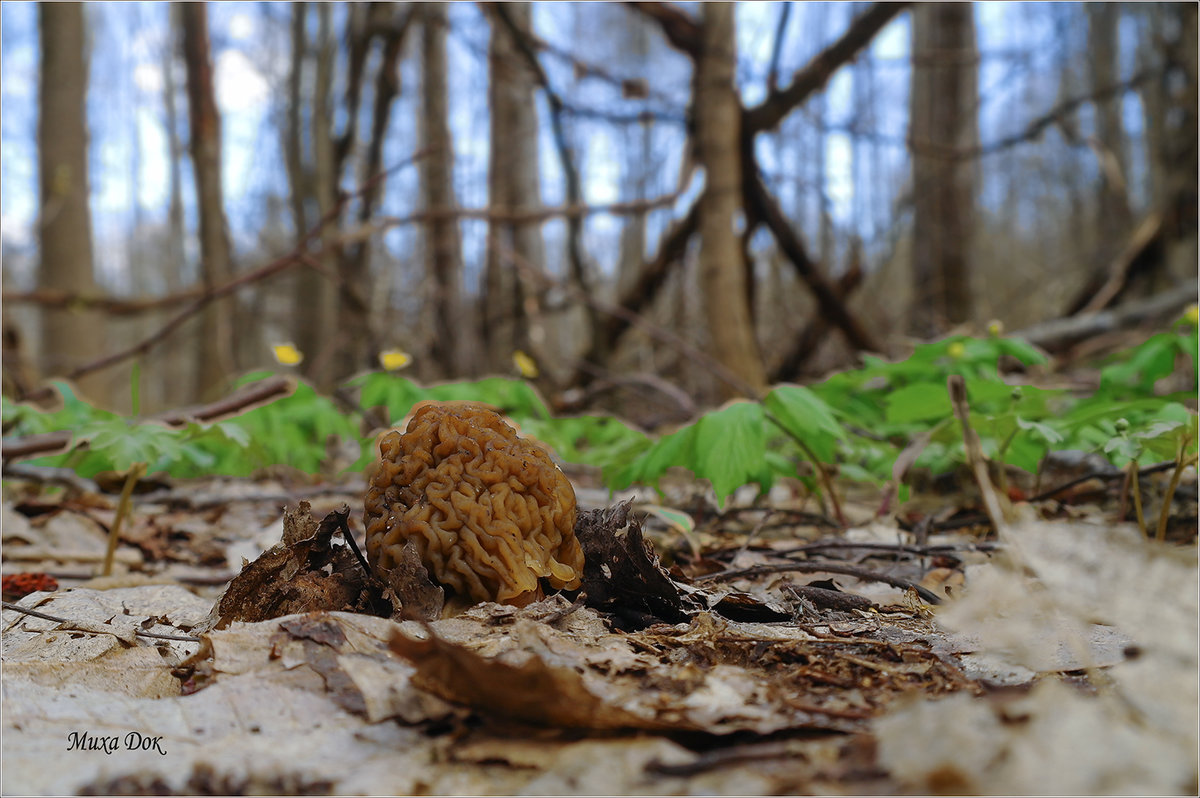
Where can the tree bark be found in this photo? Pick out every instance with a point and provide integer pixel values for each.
(453, 337)
(718, 133)
(69, 337)
(513, 187)
(944, 120)
(216, 350)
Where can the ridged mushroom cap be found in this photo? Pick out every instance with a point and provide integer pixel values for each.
(489, 512)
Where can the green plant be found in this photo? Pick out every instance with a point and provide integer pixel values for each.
(859, 420)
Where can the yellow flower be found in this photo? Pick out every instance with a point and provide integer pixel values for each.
(956, 350)
(287, 354)
(394, 359)
(1192, 315)
(525, 364)
(995, 328)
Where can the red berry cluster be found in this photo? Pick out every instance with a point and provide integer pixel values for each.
(19, 585)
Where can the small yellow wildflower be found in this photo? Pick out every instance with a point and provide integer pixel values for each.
(287, 354)
(995, 328)
(394, 359)
(1192, 315)
(525, 364)
(956, 350)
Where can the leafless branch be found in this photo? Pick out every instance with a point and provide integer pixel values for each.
(565, 155)
(252, 395)
(274, 267)
(779, 103)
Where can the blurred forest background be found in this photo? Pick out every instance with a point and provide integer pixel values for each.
(645, 207)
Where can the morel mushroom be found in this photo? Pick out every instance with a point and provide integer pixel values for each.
(489, 512)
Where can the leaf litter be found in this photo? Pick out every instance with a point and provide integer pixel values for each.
(1065, 661)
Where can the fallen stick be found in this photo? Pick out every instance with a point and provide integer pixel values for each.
(250, 396)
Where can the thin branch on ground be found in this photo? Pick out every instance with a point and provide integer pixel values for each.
(244, 399)
(1115, 473)
(72, 626)
(957, 387)
(817, 568)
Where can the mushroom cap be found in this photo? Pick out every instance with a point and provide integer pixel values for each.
(489, 512)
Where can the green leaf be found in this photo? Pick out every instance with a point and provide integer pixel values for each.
(805, 415)
(1044, 431)
(729, 448)
(920, 401)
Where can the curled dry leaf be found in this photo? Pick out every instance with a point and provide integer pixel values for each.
(304, 572)
(622, 574)
(528, 690)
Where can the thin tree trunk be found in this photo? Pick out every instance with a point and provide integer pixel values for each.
(175, 224)
(453, 332)
(513, 186)
(216, 350)
(718, 113)
(943, 121)
(1113, 214)
(354, 308)
(315, 307)
(69, 337)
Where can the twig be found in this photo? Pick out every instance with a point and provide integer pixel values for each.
(816, 519)
(831, 568)
(1136, 487)
(252, 395)
(200, 501)
(991, 500)
(822, 471)
(49, 475)
(1161, 533)
(760, 202)
(343, 516)
(154, 635)
(278, 265)
(1105, 475)
(563, 612)
(779, 103)
(898, 548)
(785, 14)
(136, 472)
(569, 211)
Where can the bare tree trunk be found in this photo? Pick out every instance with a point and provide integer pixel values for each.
(513, 187)
(216, 350)
(944, 120)
(1114, 216)
(453, 338)
(354, 307)
(175, 225)
(69, 337)
(175, 368)
(718, 133)
(314, 186)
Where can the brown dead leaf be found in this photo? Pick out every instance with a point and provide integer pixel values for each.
(529, 691)
(622, 574)
(303, 573)
(419, 597)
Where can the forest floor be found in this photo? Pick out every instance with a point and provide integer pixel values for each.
(767, 652)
